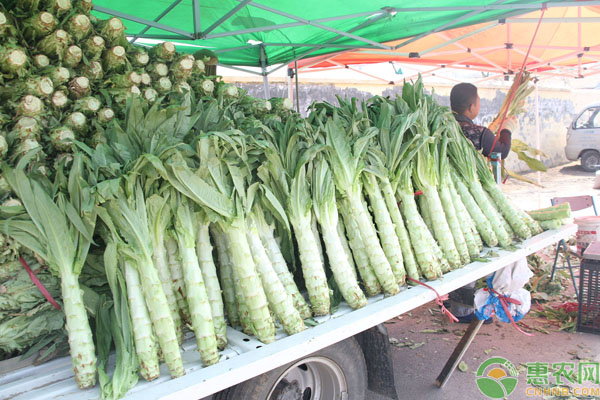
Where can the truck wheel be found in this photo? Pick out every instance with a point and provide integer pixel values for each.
(590, 160)
(335, 372)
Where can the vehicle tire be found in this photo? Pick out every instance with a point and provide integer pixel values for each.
(326, 374)
(590, 160)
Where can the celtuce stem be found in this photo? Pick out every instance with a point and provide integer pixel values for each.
(159, 256)
(419, 235)
(312, 267)
(377, 258)
(441, 229)
(81, 344)
(163, 324)
(508, 211)
(204, 251)
(174, 262)
(453, 223)
(146, 346)
(254, 295)
(281, 268)
(226, 276)
(483, 225)
(472, 239)
(490, 212)
(344, 241)
(357, 245)
(410, 264)
(385, 227)
(315, 230)
(279, 300)
(200, 310)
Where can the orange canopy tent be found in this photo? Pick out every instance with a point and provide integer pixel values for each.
(567, 44)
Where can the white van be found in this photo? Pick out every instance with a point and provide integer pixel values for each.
(583, 138)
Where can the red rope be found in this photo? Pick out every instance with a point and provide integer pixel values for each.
(504, 300)
(518, 78)
(438, 300)
(39, 284)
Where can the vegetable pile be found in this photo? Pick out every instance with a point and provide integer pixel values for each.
(136, 163)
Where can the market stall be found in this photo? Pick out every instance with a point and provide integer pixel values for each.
(246, 357)
(124, 167)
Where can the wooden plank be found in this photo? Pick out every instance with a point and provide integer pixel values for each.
(458, 352)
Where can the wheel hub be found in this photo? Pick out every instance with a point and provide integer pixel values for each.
(311, 378)
(287, 391)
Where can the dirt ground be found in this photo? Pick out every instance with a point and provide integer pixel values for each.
(423, 340)
(561, 181)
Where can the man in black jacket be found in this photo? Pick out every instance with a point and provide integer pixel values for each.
(465, 104)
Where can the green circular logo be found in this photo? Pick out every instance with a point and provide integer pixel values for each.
(497, 378)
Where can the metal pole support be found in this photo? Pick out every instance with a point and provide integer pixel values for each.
(496, 167)
(263, 64)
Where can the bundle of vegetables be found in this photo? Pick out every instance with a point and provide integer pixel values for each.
(66, 74)
(514, 101)
(28, 322)
(552, 217)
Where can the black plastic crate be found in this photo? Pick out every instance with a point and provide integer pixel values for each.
(588, 319)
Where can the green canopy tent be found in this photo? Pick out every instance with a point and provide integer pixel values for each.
(265, 33)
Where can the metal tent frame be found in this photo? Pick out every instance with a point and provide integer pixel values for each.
(305, 48)
(587, 64)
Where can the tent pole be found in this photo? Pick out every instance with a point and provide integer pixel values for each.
(537, 129)
(266, 83)
(290, 88)
(197, 20)
(263, 65)
(297, 93)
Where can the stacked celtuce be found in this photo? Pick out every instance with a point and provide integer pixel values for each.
(323, 204)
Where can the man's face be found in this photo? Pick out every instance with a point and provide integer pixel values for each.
(473, 110)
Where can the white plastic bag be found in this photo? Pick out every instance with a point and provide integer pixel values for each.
(512, 277)
(508, 281)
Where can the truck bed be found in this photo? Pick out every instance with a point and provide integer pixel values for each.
(245, 357)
